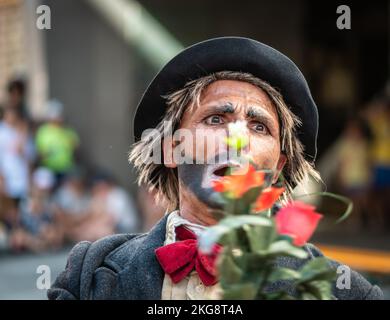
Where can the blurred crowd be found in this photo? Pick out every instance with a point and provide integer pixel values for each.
(358, 164)
(47, 197)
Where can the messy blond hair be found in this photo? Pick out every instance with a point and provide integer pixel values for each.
(165, 180)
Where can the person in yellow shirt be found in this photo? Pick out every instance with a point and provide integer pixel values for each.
(56, 144)
(378, 115)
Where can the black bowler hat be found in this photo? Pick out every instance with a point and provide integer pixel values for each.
(232, 54)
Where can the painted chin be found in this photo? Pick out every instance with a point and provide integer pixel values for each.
(198, 179)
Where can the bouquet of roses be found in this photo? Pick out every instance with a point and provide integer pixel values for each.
(253, 237)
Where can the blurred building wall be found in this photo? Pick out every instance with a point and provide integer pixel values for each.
(278, 23)
(12, 43)
(99, 78)
(36, 63)
(90, 71)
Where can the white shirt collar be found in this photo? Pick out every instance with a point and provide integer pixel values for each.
(174, 220)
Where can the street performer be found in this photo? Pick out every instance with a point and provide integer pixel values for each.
(200, 92)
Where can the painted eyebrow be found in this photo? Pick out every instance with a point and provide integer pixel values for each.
(225, 108)
(255, 113)
(260, 115)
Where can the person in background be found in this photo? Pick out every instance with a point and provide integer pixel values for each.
(115, 201)
(16, 156)
(12, 238)
(8, 217)
(36, 215)
(5, 206)
(151, 209)
(378, 115)
(354, 170)
(56, 143)
(70, 203)
(16, 90)
(110, 210)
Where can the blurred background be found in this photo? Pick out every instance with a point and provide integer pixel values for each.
(68, 95)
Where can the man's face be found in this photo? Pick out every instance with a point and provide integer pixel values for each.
(224, 102)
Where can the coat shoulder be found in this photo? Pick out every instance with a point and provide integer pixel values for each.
(119, 258)
(84, 259)
(350, 285)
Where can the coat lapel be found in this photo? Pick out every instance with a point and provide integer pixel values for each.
(143, 277)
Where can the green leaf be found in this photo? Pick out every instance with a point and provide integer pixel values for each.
(253, 262)
(251, 195)
(230, 272)
(208, 238)
(284, 247)
(279, 295)
(317, 269)
(319, 290)
(260, 237)
(308, 296)
(242, 291)
(343, 199)
(322, 290)
(284, 274)
(242, 205)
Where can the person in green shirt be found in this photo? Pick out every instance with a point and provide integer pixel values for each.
(56, 143)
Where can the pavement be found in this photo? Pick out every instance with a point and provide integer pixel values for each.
(19, 276)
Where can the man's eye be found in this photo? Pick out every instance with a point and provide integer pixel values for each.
(213, 120)
(259, 127)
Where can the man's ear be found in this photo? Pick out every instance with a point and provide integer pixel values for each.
(279, 167)
(168, 148)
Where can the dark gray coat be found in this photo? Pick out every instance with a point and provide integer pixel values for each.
(125, 267)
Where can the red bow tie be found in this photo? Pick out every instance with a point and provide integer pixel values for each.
(178, 259)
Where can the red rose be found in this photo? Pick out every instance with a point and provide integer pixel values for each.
(297, 220)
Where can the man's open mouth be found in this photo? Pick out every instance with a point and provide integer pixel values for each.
(223, 170)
